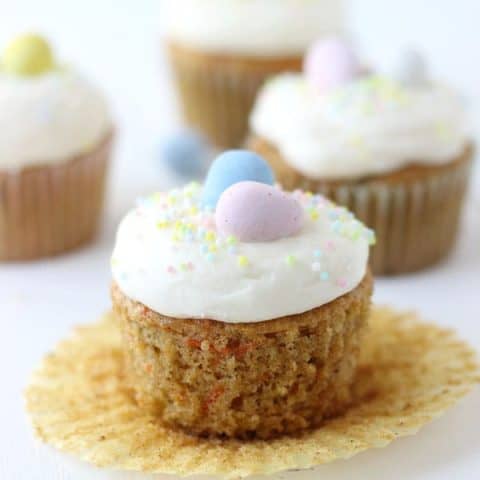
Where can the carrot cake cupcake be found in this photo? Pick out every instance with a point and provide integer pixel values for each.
(55, 136)
(242, 306)
(394, 149)
(222, 51)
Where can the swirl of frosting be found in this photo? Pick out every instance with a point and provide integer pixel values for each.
(252, 27)
(372, 125)
(170, 257)
(49, 118)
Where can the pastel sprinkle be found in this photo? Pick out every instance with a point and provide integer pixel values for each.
(314, 214)
(172, 270)
(231, 240)
(317, 253)
(291, 260)
(330, 245)
(325, 276)
(210, 236)
(210, 257)
(316, 266)
(242, 261)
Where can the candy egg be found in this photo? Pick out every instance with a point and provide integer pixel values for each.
(256, 212)
(28, 55)
(186, 153)
(412, 69)
(231, 167)
(330, 63)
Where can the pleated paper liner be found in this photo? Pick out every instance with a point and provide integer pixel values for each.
(50, 209)
(410, 372)
(217, 92)
(415, 213)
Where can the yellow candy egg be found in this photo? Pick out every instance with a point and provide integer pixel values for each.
(28, 55)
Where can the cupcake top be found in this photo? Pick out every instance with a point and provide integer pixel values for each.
(336, 121)
(252, 27)
(237, 249)
(48, 114)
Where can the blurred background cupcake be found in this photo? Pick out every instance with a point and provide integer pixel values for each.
(393, 148)
(55, 139)
(223, 50)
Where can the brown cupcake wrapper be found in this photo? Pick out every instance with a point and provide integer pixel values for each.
(415, 213)
(217, 93)
(50, 209)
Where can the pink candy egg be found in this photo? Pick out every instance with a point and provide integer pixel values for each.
(256, 212)
(330, 63)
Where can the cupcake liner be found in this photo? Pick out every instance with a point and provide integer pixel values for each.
(217, 92)
(47, 210)
(415, 213)
(410, 372)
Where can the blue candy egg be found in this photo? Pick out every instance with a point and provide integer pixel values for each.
(186, 153)
(231, 167)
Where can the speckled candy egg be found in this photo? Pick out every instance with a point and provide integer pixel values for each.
(231, 167)
(330, 63)
(255, 212)
(186, 153)
(28, 55)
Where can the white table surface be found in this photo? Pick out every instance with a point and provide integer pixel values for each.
(41, 301)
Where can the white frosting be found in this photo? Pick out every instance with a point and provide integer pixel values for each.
(254, 27)
(372, 126)
(49, 118)
(168, 257)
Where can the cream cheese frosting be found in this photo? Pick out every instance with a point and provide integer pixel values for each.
(253, 27)
(169, 256)
(370, 126)
(49, 118)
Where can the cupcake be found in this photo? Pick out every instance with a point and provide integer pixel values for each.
(394, 149)
(222, 51)
(242, 306)
(55, 138)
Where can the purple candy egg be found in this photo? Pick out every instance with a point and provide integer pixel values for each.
(330, 63)
(256, 212)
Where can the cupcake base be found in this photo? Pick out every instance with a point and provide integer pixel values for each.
(256, 380)
(415, 212)
(409, 373)
(217, 92)
(50, 209)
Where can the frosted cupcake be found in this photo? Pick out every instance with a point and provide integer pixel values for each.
(242, 306)
(394, 149)
(222, 51)
(55, 138)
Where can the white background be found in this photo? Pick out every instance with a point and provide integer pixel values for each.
(118, 44)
